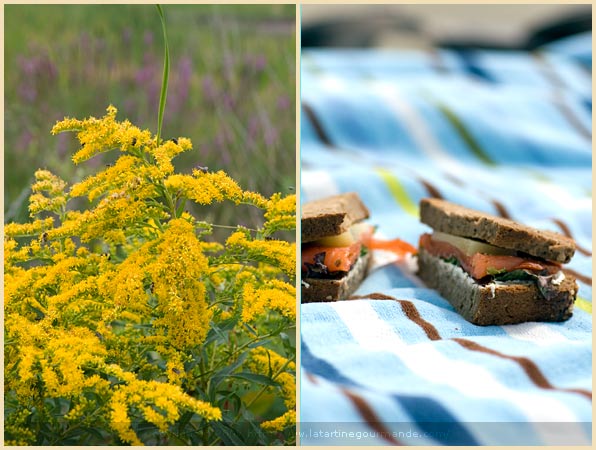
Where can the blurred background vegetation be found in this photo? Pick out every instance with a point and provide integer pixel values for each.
(232, 90)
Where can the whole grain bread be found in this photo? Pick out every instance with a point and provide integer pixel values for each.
(495, 303)
(454, 219)
(331, 216)
(324, 290)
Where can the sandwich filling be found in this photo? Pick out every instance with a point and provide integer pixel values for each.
(334, 256)
(486, 263)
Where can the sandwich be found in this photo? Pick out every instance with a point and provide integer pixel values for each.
(335, 255)
(492, 270)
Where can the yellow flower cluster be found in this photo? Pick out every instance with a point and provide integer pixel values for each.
(159, 403)
(28, 229)
(280, 423)
(281, 213)
(54, 187)
(177, 274)
(280, 369)
(256, 199)
(275, 295)
(16, 426)
(108, 308)
(278, 253)
(99, 135)
(60, 356)
(205, 188)
(115, 176)
(165, 152)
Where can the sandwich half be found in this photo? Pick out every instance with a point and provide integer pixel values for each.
(335, 257)
(492, 270)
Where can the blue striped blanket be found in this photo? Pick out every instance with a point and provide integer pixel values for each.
(499, 131)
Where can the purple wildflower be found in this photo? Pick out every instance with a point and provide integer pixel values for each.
(228, 101)
(283, 102)
(270, 136)
(259, 63)
(127, 36)
(209, 90)
(148, 38)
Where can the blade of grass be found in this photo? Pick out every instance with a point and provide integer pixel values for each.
(166, 74)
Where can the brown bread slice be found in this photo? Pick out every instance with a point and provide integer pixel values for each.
(495, 304)
(323, 290)
(454, 219)
(331, 216)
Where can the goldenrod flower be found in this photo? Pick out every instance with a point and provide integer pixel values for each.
(280, 423)
(275, 252)
(177, 273)
(205, 188)
(281, 213)
(28, 229)
(108, 307)
(275, 295)
(99, 135)
(159, 403)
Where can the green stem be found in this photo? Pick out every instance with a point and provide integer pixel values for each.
(171, 203)
(166, 74)
(231, 227)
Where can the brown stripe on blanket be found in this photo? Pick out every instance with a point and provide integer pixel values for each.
(373, 296)
(318, 127)
(311, 377)
(409, 310)
(430, 188)
(567, 232)
(526, 364)
(531, 369)
(559, 100)
(501, 210)
(412, 313)
(583, 278)
(369, 416)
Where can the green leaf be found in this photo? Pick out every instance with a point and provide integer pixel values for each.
(515, 275)
(180, 208)
(166, 73)
(218, 330)
(543, 281)
(227, 434)
(232, 398)
(260, 438)
(84, 439)
(184, 420)
(451, 260)
(250, 329)
(225, 373)
(259, 343)
(255, 378)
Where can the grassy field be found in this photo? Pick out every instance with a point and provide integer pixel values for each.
(232, 88)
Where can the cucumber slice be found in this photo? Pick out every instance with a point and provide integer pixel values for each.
(341, 240)
(470, 246)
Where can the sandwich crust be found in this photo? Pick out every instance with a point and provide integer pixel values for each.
(495, 303)
(331, 216)
(326, 290)
(460, 221)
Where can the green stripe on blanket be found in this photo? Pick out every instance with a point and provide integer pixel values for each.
(465, 134)
(398, 192)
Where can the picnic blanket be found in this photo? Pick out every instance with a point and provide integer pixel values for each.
(504, 132)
